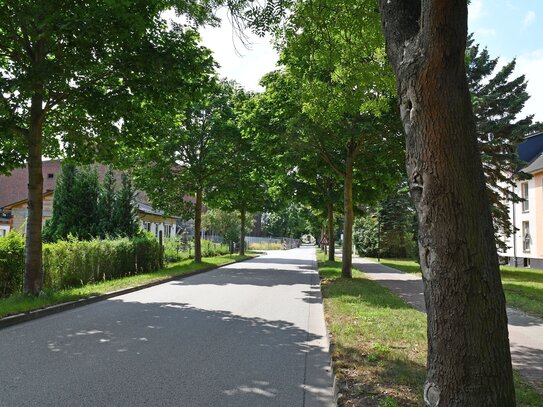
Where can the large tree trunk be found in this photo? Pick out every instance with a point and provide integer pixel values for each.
(469, 362)
(347, 259)
(33, 281)
(242, 233)
(331, 242)
(198, 227)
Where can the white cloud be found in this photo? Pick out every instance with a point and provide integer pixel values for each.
(475, 10)
(529, 19)
(531, 65)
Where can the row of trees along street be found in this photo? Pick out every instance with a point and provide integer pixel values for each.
(116, 83)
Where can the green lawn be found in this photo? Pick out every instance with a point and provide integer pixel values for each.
(379, 343)
(20, 303)
(523, 287)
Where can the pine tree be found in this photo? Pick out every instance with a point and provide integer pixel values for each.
(497, 100)
(106, 205)
(124, 213)
(74, 205)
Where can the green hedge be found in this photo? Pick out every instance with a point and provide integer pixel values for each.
(175, 250)
(72, 263)
(12, 263)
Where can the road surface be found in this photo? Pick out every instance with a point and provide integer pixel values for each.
(248, 334)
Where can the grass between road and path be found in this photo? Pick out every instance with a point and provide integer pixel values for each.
(379, 351)
(523, 287)
(19, 303)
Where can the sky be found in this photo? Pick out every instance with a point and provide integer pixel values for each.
(508, 28)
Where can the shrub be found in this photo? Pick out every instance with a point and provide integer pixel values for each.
(71, 263)
(12, 263)
(265, 246)
(175, 250)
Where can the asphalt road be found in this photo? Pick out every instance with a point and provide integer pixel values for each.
(248, 334)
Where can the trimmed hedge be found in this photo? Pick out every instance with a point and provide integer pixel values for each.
(12, 263)
(73, 263)
(76, 263)
(174, 250)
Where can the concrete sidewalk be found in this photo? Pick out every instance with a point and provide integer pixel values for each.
(525, 331)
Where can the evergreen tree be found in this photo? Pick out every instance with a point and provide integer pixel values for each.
(497, 99)
(106, 205)
(125, 219)
(74, 205)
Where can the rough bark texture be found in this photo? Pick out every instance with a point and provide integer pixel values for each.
(469, 362)
(242, 233)
(347, 260)
(198, 227)
(331, 241)
(33, 281)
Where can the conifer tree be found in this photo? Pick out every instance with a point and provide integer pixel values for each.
(497, 100)
(106, 205)
(125, 218)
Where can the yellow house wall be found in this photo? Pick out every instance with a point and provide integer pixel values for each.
(20, 213)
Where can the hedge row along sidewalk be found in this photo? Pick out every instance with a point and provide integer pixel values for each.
(379, 343)
(19, 307)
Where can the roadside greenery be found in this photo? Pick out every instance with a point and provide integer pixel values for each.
(18, 303)
(75, 263)
(86, 208)
(379, 351)
(523, 287)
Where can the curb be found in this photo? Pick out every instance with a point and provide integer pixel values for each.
(331, 342)
(64, 306)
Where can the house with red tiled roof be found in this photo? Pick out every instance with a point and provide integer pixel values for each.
(14, 201)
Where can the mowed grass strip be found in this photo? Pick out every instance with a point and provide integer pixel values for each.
(19, 303)
(379, 350)
(523, 287)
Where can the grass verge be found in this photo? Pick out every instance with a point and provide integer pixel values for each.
(523, 287)
(380, 343)
(19, 303)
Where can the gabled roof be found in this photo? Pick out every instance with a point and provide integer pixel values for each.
(10, 206)
(535, 166)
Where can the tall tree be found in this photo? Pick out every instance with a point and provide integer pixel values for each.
(80, 72)
(469, 361)
(336, 53)
(124, 218)
(193, 147)
(246, 169)
(497, 100)
(106, 205)
(75, 209)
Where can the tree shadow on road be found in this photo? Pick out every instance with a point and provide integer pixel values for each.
(156, 353)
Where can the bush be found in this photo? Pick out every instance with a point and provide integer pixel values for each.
(12, 263)
(72, 263)
(265, 246)
(175, 250)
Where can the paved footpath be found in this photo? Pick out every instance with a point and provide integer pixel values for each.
(525, 332)
(247, 334)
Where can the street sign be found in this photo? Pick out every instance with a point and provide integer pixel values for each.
(324, 240)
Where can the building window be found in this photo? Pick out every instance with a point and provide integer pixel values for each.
(526, 262)
(147, 226)
(167, 230)
(526, 238)
(524, 196)
(50, 176)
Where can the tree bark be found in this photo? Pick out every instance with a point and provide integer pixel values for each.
(242, 233)
(347, 258)
(198, 227)
(33, 281)
(469, 362)
(331, 242)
